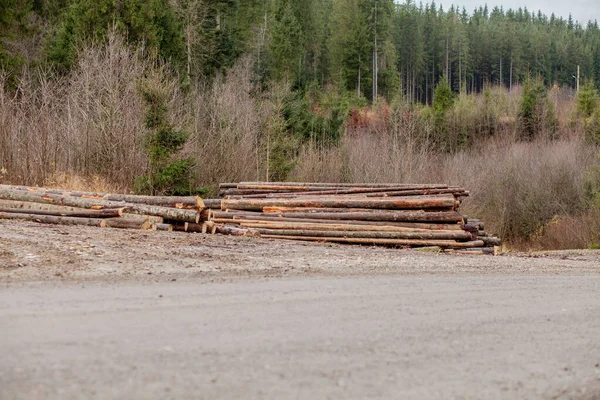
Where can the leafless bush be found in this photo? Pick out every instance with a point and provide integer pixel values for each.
(227, 127)
(88, 123)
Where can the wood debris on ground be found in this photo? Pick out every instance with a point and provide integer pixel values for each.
(403, 215)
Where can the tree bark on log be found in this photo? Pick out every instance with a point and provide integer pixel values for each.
(366, 234)
(190, 202)
(337, 185)
(109, 213)
(129, 223)
(142, 209)
(422, 233)
(409, 225)
(381, 215)
(446, 244)
(57, 220)
(490, 241)
(236, 231)
(163, 227)
(212, 203)
(402, 203)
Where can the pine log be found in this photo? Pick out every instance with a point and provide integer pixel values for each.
(401, 203)
(179, 226)
(382, 215)
(163, 227)
(236, 231)
(57, 220)
(143, 209)
(153, 219)
(412, 225)
(108, 213)
(471, 251)
(365, 234)
(374, 192)
(212, 203)
(26, 205)
(490, 241)
(191, 202)
(129, 223)
(446, 244)
(197, 228)
(422, 233)
(337, 185)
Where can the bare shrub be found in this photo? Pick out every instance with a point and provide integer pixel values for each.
(88, 123)
(227, 128)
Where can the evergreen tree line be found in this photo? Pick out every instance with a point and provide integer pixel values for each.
(372, 48)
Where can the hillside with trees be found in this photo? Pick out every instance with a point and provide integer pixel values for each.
(174, 96)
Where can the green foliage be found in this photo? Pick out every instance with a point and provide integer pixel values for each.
(443, 98)
(286, 42)
(592, 127)
(308, 121)
(151, 22)
(168, 175)
(587, 99)
(536, 112)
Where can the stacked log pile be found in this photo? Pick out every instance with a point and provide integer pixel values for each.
(375, 214)
(56, 206)
(372, 214)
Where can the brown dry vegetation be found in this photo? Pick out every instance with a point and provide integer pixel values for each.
(90, 124)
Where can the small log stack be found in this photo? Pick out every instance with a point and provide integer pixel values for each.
(373, 214)
(57, 206)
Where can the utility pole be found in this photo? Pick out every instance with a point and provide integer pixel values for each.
(375, 61)
(578, 79)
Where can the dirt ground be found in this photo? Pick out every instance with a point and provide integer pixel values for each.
(37, 252)
(119, 314)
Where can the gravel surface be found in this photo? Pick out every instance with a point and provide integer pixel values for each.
(114, 314)
(36, 252)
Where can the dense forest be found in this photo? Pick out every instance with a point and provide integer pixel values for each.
(174, 96)
(371, 47)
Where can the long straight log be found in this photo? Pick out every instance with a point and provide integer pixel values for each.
(446, 244)
(291, 191)
(356, 231)
(236, 231)
(410, 225)
(365, 234)
(57, 220)
(320, 184)
(109, 213)
(191, 202)
(402, 191)
(382, 215)
(26, 205)
(129, 223)
(143, 209)
(388, 203)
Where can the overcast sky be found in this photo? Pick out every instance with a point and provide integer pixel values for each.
(582, 10)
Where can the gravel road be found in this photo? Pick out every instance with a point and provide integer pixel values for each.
(107, 314)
